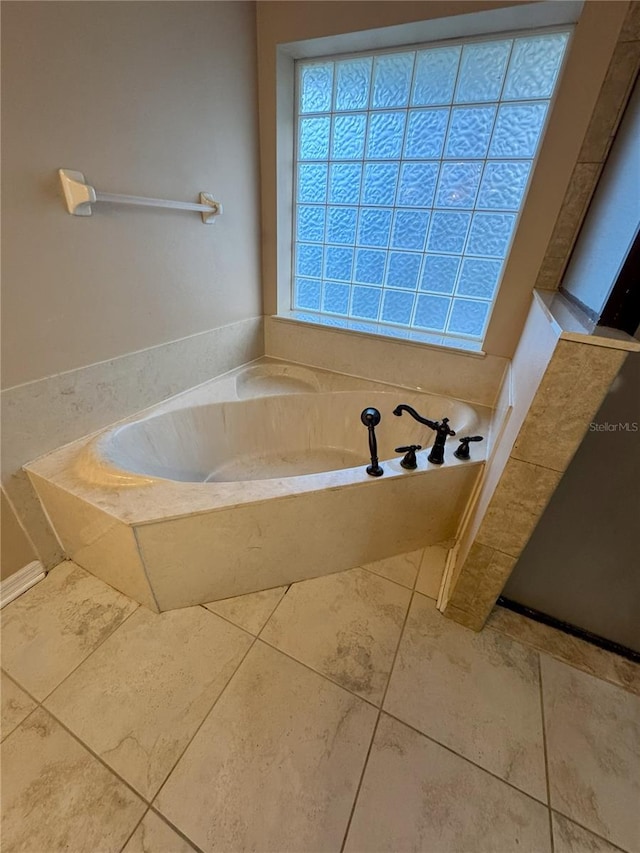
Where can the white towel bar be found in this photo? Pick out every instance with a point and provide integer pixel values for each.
(80, 196)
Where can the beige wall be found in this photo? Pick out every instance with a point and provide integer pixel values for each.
(16, 549)
(592, 47)
(145, 98)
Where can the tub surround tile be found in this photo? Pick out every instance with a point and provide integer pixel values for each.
(56, 624)
(417, 795)
(155, 836)
(477, 694)
(568, 649)
(249, 612)
(402, 569)
(581, 187)
(345, 626)
(16, 705)
(568, 837)
(593, 748)
(289, 747)
(60, 793)
(138, 700)
(431, 571)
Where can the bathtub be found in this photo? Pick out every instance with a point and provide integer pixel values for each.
(255, 480)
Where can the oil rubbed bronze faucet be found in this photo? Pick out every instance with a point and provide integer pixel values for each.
(441, 429)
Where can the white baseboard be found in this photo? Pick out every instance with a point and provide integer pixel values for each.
(20, 581)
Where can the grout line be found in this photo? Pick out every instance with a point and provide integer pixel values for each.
(545, 751)
(590, 831)
(375, 728)
(130, 836)
(176, 829)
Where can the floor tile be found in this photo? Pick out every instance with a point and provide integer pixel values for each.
(345, 626)
(478, 694)
(403, 568)
(138, 700)
(249, 611)
(568, 837)
(593, 750)
(431, 571)
(57, 796)
(16, 705)
(275, 766)
(56, 624)
(155, 836)
(564, 647)
(418, 796)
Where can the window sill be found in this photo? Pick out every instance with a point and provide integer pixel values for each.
(380, 331)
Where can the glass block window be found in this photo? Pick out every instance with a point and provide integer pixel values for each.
(411, 169)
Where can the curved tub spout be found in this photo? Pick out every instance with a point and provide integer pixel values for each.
(441, 429)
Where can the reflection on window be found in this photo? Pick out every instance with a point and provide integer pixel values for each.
(411, 169)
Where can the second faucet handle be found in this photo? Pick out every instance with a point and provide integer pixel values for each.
(409, 462)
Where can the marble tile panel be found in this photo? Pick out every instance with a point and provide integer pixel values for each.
(550, 274)
(97, 541)
(564, 647)
(431, 571)
(403, 568)
(16, 705)
(478, 694)
(593, 752)
(276, 764)
(568, 837)
(33, 518)
(418, 796)
(572, 389)
(57, 796)
(581, 187)
(516, 506)
(481, 580)
(631, 27)
(153, 835)
(56, 624)
(345, 626)
(138, 700)
(251, 611)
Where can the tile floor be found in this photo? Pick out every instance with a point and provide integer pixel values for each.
(341, 713)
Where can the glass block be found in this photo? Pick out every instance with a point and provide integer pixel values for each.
(439, 273)
(410, 229)
(490, 234)
(380, 181)
(468, 317)
(482, 71)
(435, 76)
(469, 132)
(503, 185)
(316, 83)
(392, 80)
(431, 312)
(348, 137)
(352, 83)
(425, 134)
(403, 271)
(370, 266)
(312, 182)
(448, 231)
(479, 277)
(345, 183)
(385, 135)
(458, 184)
(309, 260)
(307, 294)
(366, 302)
(534, 66)
(517, 130)
(338, 263)
(341, 224)
(310, 226)
(397, 306)
(374, 226)
(417, 184)
(335, 298)
(313, 142)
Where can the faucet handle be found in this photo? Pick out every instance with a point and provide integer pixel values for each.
(463, 451)
(409, 462)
